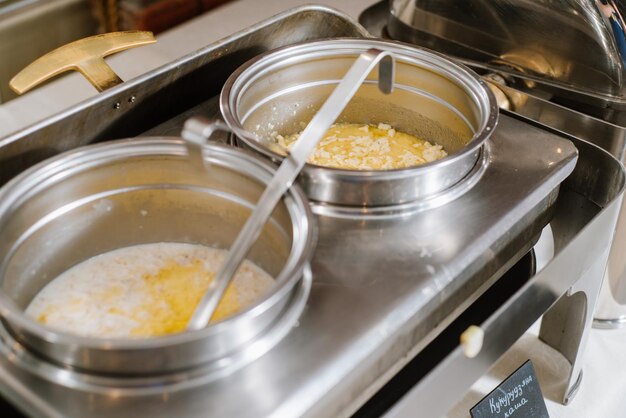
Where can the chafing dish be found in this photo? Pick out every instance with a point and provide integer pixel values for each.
(387, 287)
(432, 98)
(114, 195)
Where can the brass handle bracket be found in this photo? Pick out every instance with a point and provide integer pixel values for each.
(85, 56)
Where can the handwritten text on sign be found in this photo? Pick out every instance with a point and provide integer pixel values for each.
(519, 396)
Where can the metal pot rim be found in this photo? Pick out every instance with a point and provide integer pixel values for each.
(239, 79)
(10, 194)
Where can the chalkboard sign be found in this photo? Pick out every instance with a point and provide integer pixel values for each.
(519, 396)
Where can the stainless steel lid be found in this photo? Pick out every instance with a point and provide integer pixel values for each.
(576, 46)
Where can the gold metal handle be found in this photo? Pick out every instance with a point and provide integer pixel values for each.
(85, 56)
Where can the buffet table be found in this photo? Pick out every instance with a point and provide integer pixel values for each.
(603, 383)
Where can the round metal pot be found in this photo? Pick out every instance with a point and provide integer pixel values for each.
(112, 195)
(433, 98)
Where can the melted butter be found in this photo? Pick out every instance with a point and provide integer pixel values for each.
(173, 294)
(143, 291)
(368, 147)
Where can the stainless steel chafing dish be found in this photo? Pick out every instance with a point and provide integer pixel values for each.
(114, 195)
(389, 293)
(433, 98)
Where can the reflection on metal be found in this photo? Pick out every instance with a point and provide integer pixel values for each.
(494, 81)
(562, 63)
(609, 136)
(304, 374)
(574, 389)
(85, 56)
(288, 171)
(611, 310)
(22, 38)
(534, 85)
(565, 325)
(107, 12)
(573, 43)
(586, 210)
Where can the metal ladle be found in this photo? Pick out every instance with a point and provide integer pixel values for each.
(196, 132)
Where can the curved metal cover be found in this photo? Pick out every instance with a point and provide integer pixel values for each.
(577, 44)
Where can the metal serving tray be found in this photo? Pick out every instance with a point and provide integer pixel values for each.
(384, 286)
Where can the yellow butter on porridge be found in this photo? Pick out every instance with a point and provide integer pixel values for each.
(143, 291)
(368, 147)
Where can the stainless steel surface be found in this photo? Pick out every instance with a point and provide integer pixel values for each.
(611, 311)
(433, 98)
(522, 97)
(384, 285)
(23, 37)
(166, 92)
(585, 101)
(586, 210)
(92, 200)
(196, 132)
(288, 170)
(576, 45)
(379, 288)
(611, 308)
(606, 135)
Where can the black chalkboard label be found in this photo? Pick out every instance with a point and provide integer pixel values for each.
(519, 396)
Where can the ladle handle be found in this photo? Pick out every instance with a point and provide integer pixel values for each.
(196, 132)
(289, 170)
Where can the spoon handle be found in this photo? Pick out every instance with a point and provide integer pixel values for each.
(288, 171)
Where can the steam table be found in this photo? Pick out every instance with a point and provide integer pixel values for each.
(604, 383)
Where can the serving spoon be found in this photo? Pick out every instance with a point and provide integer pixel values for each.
(196, 133)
